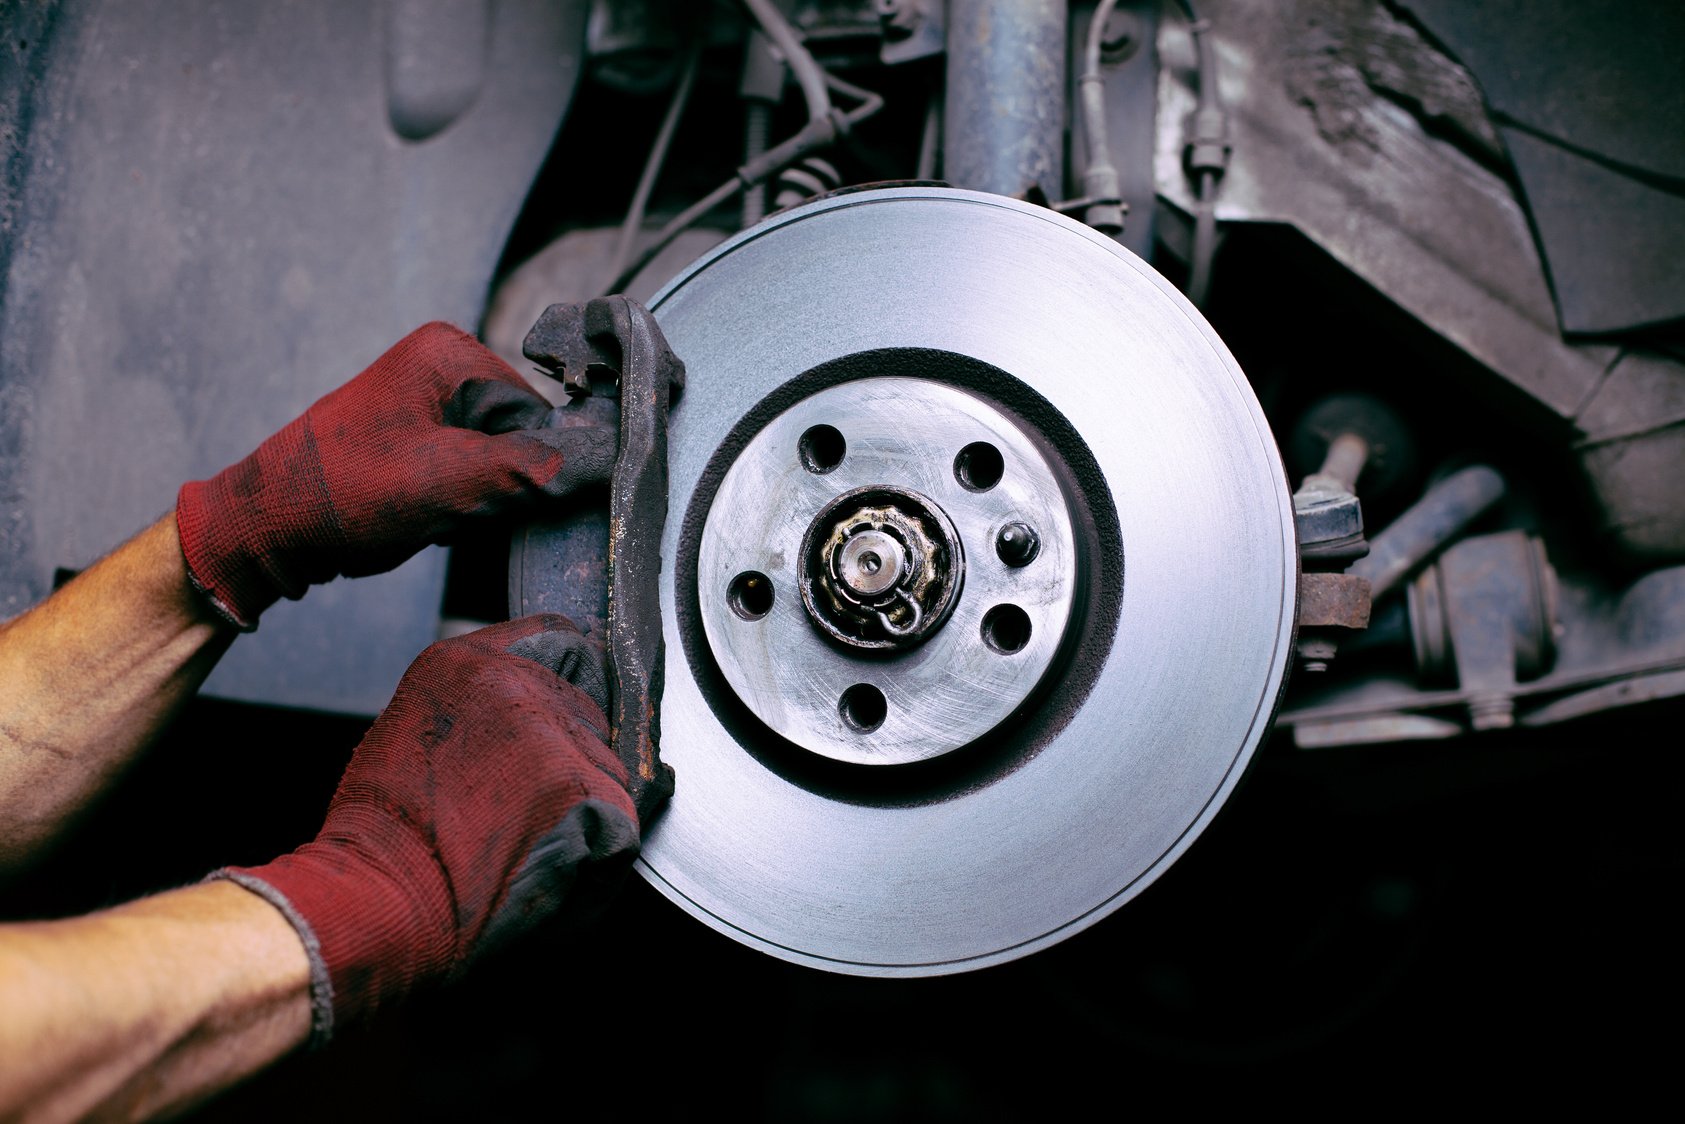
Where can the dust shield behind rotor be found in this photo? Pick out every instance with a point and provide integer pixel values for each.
(1170, 676)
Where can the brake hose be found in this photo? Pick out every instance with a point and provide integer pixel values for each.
(1099, 178)
(1206, 156)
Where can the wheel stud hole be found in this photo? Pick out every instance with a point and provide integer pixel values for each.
(821, 448)
(979, 466)
(1006, 629)
(750, 595)
(863, 708)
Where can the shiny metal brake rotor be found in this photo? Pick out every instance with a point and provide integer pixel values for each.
(978, 584)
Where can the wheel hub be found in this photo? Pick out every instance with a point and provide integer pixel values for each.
(882, 569)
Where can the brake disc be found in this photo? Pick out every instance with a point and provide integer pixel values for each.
(979, 582)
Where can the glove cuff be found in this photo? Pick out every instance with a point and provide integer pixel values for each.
(321, 982)
(371, 939)
(190, 528)
(248, 533)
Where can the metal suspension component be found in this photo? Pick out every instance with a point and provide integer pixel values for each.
(933, 708)
(1004, 115)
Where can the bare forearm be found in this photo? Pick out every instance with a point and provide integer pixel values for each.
(149, 1007)
(90, 676)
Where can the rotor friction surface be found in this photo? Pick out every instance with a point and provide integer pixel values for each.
(1186, 681)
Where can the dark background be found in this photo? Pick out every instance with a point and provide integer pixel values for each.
(1376, 924)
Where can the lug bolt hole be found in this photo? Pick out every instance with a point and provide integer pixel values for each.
(821, 448)
(750, 595)
(1006, 629)
(863, 708)
(979, 466)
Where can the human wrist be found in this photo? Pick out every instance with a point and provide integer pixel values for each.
(374, 929)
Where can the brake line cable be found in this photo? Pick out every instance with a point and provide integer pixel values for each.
(657, 157)
(1205, 154)
(819, 132)
(810, 76)
(1101, 191)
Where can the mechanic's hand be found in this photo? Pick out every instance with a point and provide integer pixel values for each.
(482, 801)
(439, 434)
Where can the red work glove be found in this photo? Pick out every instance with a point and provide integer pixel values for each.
(438, 435)
(483, 800)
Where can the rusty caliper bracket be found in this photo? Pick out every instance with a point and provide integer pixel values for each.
(598, 347)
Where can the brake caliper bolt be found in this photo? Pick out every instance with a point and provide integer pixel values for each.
(1017, 544)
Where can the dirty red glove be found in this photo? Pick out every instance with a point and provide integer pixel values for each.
(482, 801)
(439, 434)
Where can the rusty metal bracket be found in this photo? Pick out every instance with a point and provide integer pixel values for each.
(1333, 601)
(615, 342)
(1331, 607)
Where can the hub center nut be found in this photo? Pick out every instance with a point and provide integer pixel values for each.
(871, 562)
(881, 568)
